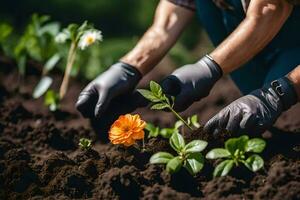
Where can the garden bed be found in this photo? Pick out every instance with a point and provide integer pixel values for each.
(40, 158)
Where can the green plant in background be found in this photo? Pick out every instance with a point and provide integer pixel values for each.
(154, 131)
(52, 100)
(85, 144)
(160, 101)
(188, 155)
(236, 151)
(5, 32)
(37, 42)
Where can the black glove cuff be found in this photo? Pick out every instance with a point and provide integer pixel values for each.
(214, 66)
(131, 70)
(285, 91)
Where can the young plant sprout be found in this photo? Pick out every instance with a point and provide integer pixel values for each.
(81, 37)
(188, 155)
(235, 152)
(160, 101)
(85, 144)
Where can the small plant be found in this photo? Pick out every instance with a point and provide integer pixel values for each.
(85, 144)
(189, 155)
(155, 131)
(80, 37)
(160, 101)
(235, 152)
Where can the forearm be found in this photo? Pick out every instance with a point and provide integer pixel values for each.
(263, 21)
(294, 77)
(169, 22)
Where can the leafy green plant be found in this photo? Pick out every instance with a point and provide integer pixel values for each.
(37, 42)
(85, 144)
(160, 101)
(188, 155)
(238, 150)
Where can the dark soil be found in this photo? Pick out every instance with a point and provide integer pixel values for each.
(40, 158)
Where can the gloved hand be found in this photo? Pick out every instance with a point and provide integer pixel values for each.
(119, 79)
(192, 82)
(256, 112)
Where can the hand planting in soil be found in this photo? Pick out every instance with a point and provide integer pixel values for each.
(160, 101)
(155, 131)
(80, 37)
(85, 144)
(189, 155)
(235, 152)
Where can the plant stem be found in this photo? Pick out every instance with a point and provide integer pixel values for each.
(143, 145)
(179, 117)
(70, 62)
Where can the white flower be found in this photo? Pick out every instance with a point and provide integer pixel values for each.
(62, 37)
(89, 38)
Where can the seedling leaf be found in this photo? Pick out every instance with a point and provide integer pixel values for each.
(148, 95)
(218, 153)
(159, 106)
(174, 165)
(167, 132)
(161, 158)
(223, 168)
(156, 89)
(42, 87)
(194, 163)
(234, 144)
(254, 163)
(177, 142)
(255, 145)
(195, 146)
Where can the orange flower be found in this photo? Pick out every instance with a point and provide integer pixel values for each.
(127, 129)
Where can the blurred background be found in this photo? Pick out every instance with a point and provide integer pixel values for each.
(122, 23)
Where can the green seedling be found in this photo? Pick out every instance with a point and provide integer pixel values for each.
(188, 155)
(155, 131)
(238, 150)
(52, 100)
(160, 101)
(85, 144)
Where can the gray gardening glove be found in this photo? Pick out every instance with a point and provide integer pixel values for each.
(256, 112)
(192, 82)
(119, 79)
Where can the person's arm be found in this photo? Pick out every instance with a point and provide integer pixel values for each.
(264, 19)
(169, 21)
(294, 77)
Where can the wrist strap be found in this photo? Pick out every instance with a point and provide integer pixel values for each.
(285, 91)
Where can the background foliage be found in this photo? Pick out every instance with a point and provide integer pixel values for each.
(122, 22)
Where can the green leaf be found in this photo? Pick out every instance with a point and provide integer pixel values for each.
(159, 106)
(156, 89)
(194, 163)
(50, 64)
(167, 132)
(161, 158)
(52, 100)
(254, 163)
(153, 131)
(178, 124)
(236, 143)
(148, 95)
(85, 143)
(5, 31)
(194, 121)
(177, 142)
(42, 87)
(195, 146)
(174, 165)
(217, 153)
(223, 168)
(255, 145)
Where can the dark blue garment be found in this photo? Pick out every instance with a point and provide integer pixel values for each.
(276, 60)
